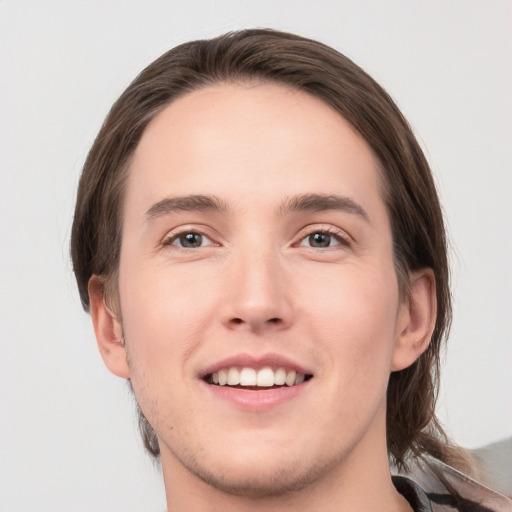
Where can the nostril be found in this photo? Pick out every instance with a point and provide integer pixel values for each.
(255, 323)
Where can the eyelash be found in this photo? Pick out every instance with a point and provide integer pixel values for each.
(174, 237)
(341, 239)
(339, 236)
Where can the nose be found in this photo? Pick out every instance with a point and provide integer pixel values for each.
(259, 295)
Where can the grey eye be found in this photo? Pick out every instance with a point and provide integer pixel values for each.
(189, 240)
(323, 240)
(320, 240)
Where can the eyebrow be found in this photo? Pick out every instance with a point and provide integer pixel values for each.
(298, 203)
(321, 203)
(197, 203)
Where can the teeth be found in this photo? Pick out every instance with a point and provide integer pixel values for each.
(223, 378)
(290, 378)
(280, 377)
(247, 377)
(233, 377)
(265, 377)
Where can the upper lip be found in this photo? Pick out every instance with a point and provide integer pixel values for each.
(256, 362)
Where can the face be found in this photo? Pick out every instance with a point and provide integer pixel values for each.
(257, 288)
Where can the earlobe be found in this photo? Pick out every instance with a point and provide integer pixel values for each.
(416, 319)
(108, 330)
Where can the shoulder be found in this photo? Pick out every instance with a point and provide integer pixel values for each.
(449, 490)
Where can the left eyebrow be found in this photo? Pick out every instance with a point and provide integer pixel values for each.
(321, 203)
(191, 203)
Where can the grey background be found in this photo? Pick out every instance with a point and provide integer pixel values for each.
(68, 438)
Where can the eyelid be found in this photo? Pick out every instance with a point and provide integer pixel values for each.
(173, 235)
(344, 239)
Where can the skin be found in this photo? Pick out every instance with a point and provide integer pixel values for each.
(256, 285)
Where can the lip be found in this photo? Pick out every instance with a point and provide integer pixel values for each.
(257, 362)
(261, 399)
(256, 400)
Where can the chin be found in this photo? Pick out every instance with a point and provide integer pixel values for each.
(257, 479)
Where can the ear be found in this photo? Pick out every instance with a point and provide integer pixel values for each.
(416, 319)
(108, 330)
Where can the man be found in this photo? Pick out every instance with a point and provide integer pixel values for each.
(260, 244)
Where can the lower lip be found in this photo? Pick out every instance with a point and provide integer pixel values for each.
(260, 400)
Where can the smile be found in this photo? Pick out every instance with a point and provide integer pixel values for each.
(247, 377)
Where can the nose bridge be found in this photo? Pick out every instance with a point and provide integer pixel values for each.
(259, 294)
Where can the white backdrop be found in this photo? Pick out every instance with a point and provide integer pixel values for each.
(68, 440)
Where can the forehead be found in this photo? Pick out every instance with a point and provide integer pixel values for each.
(258, 137)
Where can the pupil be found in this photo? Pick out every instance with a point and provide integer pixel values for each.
(319, 240)
(191, 240)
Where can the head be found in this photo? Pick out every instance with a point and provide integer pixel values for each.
(307, 67)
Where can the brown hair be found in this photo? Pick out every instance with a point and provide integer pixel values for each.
(409, 191)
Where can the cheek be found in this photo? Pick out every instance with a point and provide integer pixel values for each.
(351, 320)
(164, 318)
(354, 317)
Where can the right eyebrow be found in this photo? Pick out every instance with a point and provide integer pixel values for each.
(191, 203)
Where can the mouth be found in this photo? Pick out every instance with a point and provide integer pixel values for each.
(256, 379)
(257, 383)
